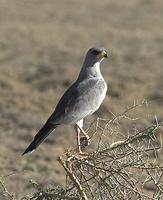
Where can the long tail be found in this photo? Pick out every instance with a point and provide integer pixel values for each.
(40, 136)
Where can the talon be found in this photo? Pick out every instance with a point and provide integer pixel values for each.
(81, 155)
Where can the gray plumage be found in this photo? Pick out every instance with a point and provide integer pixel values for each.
(83, 98)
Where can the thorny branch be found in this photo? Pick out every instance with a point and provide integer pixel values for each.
(123, 169)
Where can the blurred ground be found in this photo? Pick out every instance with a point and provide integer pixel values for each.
(42, 46)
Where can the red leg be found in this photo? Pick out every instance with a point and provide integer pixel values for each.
(78, 140)
(83, 132)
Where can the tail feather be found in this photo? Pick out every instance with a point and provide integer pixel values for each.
(39, 137)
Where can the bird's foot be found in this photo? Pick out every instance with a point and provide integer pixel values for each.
(80, 155)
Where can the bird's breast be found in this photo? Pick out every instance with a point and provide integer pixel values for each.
(97, 95)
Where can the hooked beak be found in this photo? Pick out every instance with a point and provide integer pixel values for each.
(102, 54)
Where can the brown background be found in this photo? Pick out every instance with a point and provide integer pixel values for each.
(42, 47)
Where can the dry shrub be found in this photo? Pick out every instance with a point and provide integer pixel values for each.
(126, 169)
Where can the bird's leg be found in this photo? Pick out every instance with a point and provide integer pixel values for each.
(85, 140)
(83, 132)
(78, 140)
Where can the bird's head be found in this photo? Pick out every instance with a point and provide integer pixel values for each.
(95, 55)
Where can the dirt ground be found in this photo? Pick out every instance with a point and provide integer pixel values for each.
(42, 47)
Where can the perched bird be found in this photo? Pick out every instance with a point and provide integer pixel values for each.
(81, 99)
